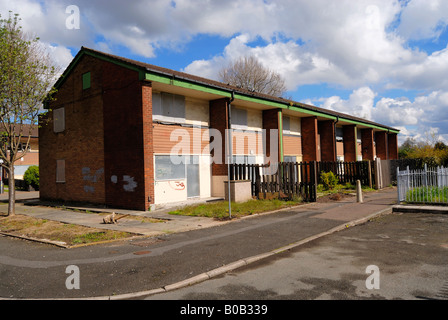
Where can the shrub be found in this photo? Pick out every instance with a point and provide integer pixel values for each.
(31, 177)
(329, 180)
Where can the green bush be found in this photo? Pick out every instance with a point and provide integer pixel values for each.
(31, 177)
(329, 180)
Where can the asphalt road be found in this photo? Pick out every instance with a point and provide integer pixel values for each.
(409, 250)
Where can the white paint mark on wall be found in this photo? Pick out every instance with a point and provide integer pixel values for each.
(131, 184)
(91, 178)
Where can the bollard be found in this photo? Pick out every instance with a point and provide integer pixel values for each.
(358, 191)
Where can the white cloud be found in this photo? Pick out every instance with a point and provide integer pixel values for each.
(360, 103)
(61, 56)
(417, 118)
(350, 44)
(423, 19)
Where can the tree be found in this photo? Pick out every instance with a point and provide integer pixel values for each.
(248, 73)
(26, 78)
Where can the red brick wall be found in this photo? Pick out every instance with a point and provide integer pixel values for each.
(381, 145)
(349, 143)
(392, 146)
(124, 140)
(367, 144)
(270, 122)
(327, 140)
(309, 139)
(107, 143)
(219, 121)
(148, 144)
(81, 144)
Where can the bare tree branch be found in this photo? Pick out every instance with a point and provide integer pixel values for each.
(248, 73)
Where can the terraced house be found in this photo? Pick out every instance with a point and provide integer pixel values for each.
(111, 131)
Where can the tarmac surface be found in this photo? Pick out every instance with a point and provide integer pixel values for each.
(173, 254)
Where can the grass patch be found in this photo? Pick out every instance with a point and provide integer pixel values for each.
(57, 231)
(427, 195)
(220, 209)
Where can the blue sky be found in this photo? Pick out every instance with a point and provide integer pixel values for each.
(384, 60)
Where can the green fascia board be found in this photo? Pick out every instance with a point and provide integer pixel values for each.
(150, 76)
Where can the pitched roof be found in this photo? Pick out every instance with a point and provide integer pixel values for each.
(216, 84)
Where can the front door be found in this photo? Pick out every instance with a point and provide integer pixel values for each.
(193, 177)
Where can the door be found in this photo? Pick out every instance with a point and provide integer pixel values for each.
(193, 177)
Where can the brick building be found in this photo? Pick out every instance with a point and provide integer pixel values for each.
(115, 124)
(31, 158)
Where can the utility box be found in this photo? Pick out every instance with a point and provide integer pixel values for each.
(240, 191)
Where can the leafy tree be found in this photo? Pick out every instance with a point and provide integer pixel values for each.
(26, 78)
(431, 151)
(31, 177)
(406, 148)
(248, 73)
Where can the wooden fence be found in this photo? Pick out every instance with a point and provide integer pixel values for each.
(348, 172)
(289, 179)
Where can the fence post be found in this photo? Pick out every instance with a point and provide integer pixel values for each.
(398, 184)
(369, 169)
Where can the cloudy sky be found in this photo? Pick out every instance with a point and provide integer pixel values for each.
(382, 60)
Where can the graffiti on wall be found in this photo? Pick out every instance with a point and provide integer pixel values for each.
(129, 184)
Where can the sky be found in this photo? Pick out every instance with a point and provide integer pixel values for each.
(382, 60)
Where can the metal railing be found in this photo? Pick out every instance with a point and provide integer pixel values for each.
(428, 186)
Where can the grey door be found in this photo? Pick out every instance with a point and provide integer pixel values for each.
(193, 177)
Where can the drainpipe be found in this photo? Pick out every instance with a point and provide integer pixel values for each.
(229, 161)
(335, 142)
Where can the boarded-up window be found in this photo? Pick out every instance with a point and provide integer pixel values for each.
(239, 118)
(168, 107)
(339, 134)
(286, 125)
(60, 170)
(170, 168)
(59, 120)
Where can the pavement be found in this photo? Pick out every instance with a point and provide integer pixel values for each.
(176, 252)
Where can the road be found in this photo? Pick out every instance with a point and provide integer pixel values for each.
(410, 252)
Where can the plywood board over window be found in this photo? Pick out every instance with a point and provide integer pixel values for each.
(59, 120)
(60, 171)
(168, 107)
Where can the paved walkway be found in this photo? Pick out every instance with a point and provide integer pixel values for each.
(91, 216)
(175, 259)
